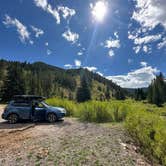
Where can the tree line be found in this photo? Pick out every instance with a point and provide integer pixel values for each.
(18, 78)
(155, 93)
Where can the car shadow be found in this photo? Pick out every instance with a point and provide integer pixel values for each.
(6, 125)
(24, 124)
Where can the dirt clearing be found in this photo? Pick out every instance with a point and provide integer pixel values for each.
(67, 142)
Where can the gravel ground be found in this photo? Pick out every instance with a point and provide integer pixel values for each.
(68, 143)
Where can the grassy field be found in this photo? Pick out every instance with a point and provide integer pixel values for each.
(144, 122)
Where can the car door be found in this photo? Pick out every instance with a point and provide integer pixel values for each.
(23, 110)
(40, 112)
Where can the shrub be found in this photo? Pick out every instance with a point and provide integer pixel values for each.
(149, 130)
(70, 106)
(95, 111)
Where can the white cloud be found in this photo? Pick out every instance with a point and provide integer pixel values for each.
(137, 49)
(66, 12)
(80, 53)
(55, 12)
(111, 53)
(71, 36)
(48, 8)
(49, 52)
(91, 68)
(147, 39)
(136, 79)
(141, 42)
(112, 43)
(116, 35)
(38, 32)
(150, 13)
(143, 64)
(77, 63)
(99, 73)
(24, 35)
(162, 43)
(68, 66)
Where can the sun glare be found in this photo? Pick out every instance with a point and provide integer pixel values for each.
(99, 11)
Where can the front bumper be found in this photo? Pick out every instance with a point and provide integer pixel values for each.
(63, 114)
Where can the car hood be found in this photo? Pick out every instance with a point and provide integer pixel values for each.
(56, 108)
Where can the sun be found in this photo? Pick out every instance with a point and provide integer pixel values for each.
(99, 11)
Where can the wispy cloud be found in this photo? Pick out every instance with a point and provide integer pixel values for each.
(91, 68)
(68, 66)
(148, 14)
(43, 4)
(38, 32)
(143, 43)
(66, 12)
(24, 34)
(162, 43)
(56, 12)
(70, 36)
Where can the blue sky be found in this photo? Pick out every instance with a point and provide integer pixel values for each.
(124, 41)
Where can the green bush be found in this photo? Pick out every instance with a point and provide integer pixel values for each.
(95, 111)
(70, 106)
(149, 130)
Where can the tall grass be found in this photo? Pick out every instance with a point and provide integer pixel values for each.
(93, 111)
(70, 106)
(144, 122)
(149, 131)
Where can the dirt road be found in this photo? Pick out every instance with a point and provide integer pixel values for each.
(68, 142)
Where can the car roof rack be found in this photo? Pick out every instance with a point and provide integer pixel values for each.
(28, 97)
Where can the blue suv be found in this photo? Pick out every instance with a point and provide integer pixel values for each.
(27, 107)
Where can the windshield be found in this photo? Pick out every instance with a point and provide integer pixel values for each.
(44, 104)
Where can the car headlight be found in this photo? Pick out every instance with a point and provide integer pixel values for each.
(63, 111)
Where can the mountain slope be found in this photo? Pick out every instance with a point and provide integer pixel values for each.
(43, 79)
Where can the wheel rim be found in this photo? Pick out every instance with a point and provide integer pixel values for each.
(13, 118)
(51, 118)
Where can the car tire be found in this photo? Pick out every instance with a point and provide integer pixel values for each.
(52, 118)
(12, 118)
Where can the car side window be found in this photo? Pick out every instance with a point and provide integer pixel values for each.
(40, 105)
(21, 104)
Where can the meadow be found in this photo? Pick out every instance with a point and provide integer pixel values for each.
(144, 122)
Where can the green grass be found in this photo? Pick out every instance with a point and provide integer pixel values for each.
(146, 123)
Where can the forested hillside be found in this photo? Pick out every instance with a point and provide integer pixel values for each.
(46, 80)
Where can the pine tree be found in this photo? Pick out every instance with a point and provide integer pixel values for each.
(156, 91)
(14, 83)
(107, 93)
(83, 92)
(139, 94)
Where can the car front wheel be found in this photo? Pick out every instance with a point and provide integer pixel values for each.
(13, 118)
(52, 118)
